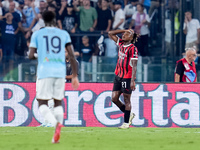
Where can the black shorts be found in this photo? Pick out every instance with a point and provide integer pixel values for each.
(122, 85)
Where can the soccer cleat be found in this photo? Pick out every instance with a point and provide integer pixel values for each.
(56, 136)
(49, 125)
(42, 125)
(132, 115)
(124, 126)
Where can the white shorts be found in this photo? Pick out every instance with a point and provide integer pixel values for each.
(50, 88)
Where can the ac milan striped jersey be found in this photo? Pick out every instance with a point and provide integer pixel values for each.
(125, 55)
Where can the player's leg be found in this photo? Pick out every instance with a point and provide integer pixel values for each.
(116, 94)
(45, 112)
(127, 100)
(43, 94)
(58, 111)
(127, 111)
(58, 95)
(128, 116)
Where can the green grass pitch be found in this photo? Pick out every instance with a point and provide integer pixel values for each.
(95, 138)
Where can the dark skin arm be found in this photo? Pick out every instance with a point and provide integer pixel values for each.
(69, 77)
(31, 53)
(133, 77)
(70, 50)
(113, 34)
(72, 59)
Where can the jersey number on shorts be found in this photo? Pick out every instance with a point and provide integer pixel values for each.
(124, 84)
(55, 44)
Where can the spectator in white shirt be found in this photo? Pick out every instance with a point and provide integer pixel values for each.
(129, 10)
(119, 18)
(192, 30)
(141, 22)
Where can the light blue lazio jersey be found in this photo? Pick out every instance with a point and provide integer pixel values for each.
(50, 43)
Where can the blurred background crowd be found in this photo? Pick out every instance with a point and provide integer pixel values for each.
(160, 23)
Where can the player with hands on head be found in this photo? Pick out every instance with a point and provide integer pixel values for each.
(125, 72)
(50, 43)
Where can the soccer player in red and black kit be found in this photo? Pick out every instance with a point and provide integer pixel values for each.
(125, 72)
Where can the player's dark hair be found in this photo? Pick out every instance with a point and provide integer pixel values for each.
(49, 17)
(135, 38)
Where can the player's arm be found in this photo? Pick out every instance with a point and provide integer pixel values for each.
(69, 77)
(31, 54)
(113, 34)
(70, 50)
(134, 69)
(72, 59)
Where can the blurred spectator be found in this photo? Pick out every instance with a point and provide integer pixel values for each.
(104, 17)
(173, 7)
(42, 6)
(1, 52)
(192, 30)
(19, 9)
(20, 43)
(30, 12)
(146, 4)
(9, 30)
(185, 70)
(154, 5)
(69, 19)
(129, 10)
(119, 18)
(51, 2)
(52, 7)
(88, 16)
(86, 53)
(40, 23)
(1, 11)
(16, 16)
(6, 4)
(111, 53)
(141, 21)
(168, 33)
(86, 50)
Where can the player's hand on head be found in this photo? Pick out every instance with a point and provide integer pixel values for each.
(75, 83)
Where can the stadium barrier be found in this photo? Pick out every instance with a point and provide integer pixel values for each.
(155, 105)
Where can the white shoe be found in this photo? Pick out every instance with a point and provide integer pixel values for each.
(132, 115)
(124, 126)
(42, 125)
(49, 125)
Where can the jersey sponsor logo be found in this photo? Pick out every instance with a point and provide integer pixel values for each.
(122, 55)
(52, 60)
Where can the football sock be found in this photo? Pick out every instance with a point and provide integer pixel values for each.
(127, 116)
(122, 108)
(59, 114)
(46, 113)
